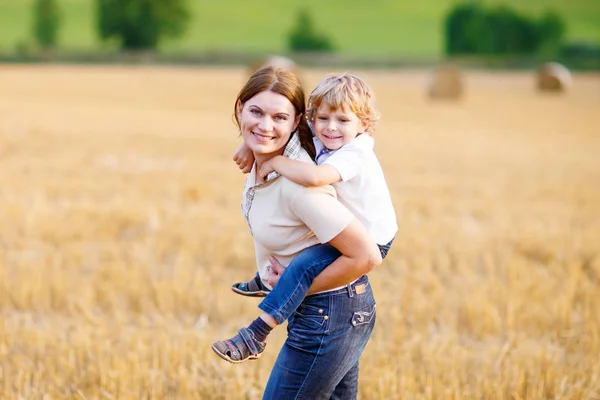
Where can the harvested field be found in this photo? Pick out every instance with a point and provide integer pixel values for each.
(121, 233)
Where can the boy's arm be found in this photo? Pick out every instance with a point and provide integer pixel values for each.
(301, 172)
(244, 158)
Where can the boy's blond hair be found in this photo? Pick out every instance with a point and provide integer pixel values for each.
(347, 92)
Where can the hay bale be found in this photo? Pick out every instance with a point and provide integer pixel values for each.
(275, 61)
(446, 82)
(553, 77)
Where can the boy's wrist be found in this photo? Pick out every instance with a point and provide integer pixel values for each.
(276, 162)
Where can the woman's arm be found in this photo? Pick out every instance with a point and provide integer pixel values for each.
(359, 256)
(301, 172)
(332, 223)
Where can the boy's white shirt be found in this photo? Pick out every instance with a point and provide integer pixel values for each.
(362, 190)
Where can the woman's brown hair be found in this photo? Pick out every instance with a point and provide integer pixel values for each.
(285, 83)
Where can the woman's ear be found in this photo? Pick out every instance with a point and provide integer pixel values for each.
(238, 109)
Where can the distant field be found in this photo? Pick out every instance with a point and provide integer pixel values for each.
(121, 233)
(357, 27)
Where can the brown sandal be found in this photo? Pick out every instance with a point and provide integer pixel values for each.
(239, 348)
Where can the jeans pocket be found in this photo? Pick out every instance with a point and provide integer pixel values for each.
(309, 318)
(364, 316)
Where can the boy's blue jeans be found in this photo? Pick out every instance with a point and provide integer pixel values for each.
(293, 284)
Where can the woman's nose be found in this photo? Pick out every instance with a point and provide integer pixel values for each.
(266, 124)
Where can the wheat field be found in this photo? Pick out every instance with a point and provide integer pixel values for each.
(121, 233)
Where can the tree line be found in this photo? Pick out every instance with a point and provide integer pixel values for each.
(469, 28)
(142, 24)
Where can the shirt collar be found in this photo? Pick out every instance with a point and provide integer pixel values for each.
(292, 150)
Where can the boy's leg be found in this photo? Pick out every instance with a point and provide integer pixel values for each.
(279, 304)
(294, 283)
(384, 249)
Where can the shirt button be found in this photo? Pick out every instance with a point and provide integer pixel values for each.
(321, 311)
(354, 323)
(326, 318)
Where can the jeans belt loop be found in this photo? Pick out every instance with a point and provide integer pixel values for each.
(350, 290)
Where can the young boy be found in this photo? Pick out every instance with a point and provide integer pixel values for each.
(342, 116)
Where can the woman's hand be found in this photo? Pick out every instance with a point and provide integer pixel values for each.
(244, 158)
(275, 271)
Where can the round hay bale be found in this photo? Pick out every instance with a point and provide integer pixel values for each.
(553, 77)
(446, 82)
(275, 61)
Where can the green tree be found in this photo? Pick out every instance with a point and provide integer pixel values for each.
(304, 37)
(466, 30)
(46, 23)
(471, 29)
(506, 32)
(512, 33)
(141, 24)
(551, 29)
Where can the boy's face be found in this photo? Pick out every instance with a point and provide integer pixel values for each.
(335, 128)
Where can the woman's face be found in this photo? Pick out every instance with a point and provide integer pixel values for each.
(266, 123)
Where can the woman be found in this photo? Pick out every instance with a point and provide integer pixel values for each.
(329, 331)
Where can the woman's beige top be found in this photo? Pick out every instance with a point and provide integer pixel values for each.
(285, 217)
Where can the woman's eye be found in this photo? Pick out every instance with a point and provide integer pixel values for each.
(255, 112)
(280, 118)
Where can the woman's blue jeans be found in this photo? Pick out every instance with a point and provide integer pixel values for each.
(326, 336)
(327, 332)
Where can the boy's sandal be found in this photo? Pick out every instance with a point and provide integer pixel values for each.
(253, 288)
(239, 348)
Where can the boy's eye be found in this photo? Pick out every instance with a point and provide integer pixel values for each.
(322, 118)
(343, 120)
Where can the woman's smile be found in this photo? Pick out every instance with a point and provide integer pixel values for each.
(263, 138)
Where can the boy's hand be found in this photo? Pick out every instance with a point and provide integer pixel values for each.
(244, 158)
(275, 271)
(267, 168)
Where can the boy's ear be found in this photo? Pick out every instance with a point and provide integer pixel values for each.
(364, 125)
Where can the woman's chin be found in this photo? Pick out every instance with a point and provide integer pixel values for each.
(261, 149)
